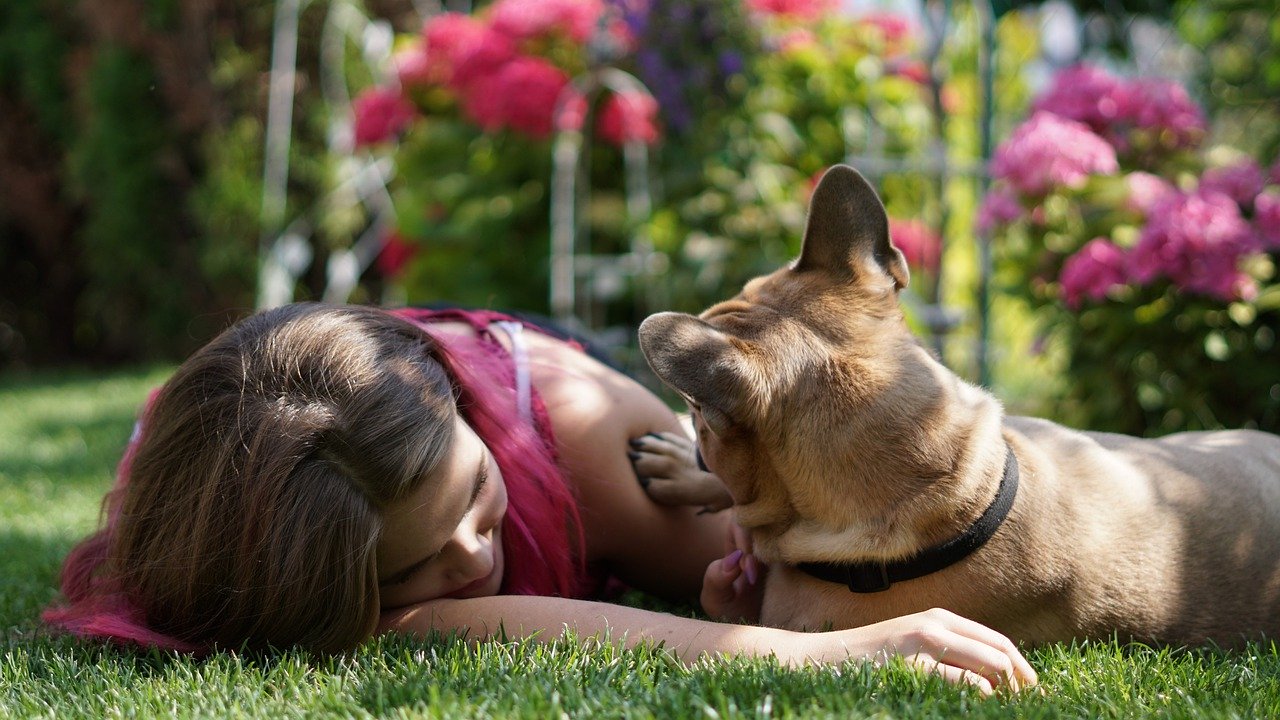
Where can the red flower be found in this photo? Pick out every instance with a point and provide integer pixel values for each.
(479, 57)
(524, 19)
(522, 95)
(913, 70)
(380, 113)
(395, 254)
(629, 116)
(797, 9)
(894, 29)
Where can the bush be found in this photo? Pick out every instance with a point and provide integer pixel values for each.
(1150, 262)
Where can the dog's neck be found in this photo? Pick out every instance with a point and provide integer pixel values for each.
(919, 465)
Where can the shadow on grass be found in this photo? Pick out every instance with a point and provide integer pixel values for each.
(87, 449)
(29, 568)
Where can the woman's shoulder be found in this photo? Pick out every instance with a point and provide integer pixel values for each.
(579, 390)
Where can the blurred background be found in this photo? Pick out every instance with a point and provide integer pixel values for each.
(1087, 192)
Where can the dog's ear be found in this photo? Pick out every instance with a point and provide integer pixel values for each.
(699, 362)
(848, 229)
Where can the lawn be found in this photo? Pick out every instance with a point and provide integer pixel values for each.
(60, 435)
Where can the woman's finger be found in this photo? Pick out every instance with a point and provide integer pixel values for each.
(1023, 673)
(951, 673)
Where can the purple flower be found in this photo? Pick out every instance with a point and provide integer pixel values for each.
(1196, 241)
(999, 207)
(731, 62)
(1146, 191)
(1241, 182)
(1086, 94)
(1092, 272)
(1164, 108)
(1266, 218)
(1048, 151)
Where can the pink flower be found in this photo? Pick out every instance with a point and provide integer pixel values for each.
(1086, 94)
(1146, 191)
(1048, 151)
(524, 19)
(1163, 107)
(1196, 240)
(1241, 182)
(522, 95)
(794, 9)
(999, 207)
(918, 242)
(895, 29)
(380, 114)
(395, 254)
(1273, 174)
(1092, 272)
(1266, 218)
(626, 117)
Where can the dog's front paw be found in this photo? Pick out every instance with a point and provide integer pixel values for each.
(667, 468)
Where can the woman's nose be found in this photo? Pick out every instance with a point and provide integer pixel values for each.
(472, 553)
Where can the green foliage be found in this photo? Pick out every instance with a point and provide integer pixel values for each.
(32, 52)
(479, 205)
(137, 290)
(1240, 42)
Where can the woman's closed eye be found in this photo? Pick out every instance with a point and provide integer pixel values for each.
(404, 576)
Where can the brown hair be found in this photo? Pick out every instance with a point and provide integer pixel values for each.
(252, 509)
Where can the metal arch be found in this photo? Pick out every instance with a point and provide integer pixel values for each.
(567, 265)
(285, 251)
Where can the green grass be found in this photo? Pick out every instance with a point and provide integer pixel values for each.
(61, 435)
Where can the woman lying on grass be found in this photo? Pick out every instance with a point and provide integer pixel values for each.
(319, 474)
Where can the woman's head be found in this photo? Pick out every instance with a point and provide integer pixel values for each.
(254, 503)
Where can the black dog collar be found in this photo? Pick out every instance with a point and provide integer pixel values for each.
(870, 577)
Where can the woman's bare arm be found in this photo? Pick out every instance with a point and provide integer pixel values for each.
(937, 641)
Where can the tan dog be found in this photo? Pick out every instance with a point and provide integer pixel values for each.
(842, 440)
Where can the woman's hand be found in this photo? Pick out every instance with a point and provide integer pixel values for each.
(733, 586)
(666, 466)
(937, 641)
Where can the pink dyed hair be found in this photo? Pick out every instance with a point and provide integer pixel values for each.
(540, 530)
(534, 532)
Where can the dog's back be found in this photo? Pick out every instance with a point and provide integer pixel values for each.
(1175, 539)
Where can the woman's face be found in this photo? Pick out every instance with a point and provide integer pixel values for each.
(445, 539)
